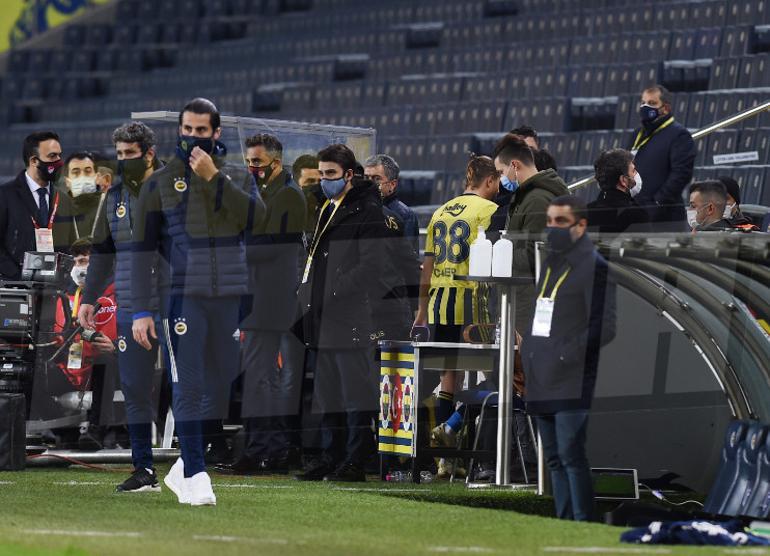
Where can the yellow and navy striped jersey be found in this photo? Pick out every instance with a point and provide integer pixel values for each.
(452, 229)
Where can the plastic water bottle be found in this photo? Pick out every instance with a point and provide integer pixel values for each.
(481, 255)
(399, 477)
(406, 477)
(502, 258)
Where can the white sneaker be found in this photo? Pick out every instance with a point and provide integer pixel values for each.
(200, 491)
(177, 483)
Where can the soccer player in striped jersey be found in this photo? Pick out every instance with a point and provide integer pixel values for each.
(446, 304)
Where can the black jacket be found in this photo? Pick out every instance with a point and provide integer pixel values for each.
(718, 226)
(561, 369)
(409, 225)
(394, 305)
(615, 211)
(17, 208)
(272, 252)
(335, 309)
(81, 213)
(666, 165)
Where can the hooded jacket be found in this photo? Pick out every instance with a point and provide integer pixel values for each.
(527, 216)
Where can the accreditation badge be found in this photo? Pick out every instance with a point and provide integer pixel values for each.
(120, 211)
(75, 358)
(44, 240)
(541, 325)
(180, 185)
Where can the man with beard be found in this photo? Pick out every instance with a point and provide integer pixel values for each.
(191, 218)
(269, 391)
(111, 256)
(29, 205)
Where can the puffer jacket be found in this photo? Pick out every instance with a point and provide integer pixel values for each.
(196, 228)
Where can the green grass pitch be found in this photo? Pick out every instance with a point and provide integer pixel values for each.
(74, 512)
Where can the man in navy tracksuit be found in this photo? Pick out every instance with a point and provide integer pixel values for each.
(191, 216)
(664, 154)
(135, 148)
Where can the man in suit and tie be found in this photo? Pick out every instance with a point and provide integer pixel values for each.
(29, 203)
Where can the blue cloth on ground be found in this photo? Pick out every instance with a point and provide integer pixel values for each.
(700, 532)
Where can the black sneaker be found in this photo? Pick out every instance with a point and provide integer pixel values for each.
(316, 472)
(244, 466)
(347, 473)
(142, 480)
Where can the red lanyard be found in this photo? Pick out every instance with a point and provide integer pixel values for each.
(53, 214)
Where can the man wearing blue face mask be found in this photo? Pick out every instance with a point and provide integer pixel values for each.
(664, 154)
(189, 223)
(340, 277)
(574, 317)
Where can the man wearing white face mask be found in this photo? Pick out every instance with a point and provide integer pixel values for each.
(733, 212)
(84, 193)
(708, 200)
(615, 211)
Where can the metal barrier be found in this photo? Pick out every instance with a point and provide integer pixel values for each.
(734, 119)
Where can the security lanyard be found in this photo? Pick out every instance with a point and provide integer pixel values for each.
(96, 219)
(317, 235)
(555, 289)
(639, 143)
(53, 214)
(76, 303)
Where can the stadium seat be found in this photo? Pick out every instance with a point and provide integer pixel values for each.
(748, 12)
(98, 36)
(711, 13)
(754, 181)
(735, 41)
(682, 45)
(707, 43)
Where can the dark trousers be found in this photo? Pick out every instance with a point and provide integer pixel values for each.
(136, 367)
(564, 439)
(203, 354)
(270, 391)
(345, 393)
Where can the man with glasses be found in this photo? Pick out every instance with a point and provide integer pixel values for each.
(29, 205)
(135, 149)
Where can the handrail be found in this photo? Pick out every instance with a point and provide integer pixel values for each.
(734, 119)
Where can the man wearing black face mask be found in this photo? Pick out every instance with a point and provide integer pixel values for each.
(29, 206)
(190, 220)
(270, 393)
(664, 154)
(111, 256)
(574, 318)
